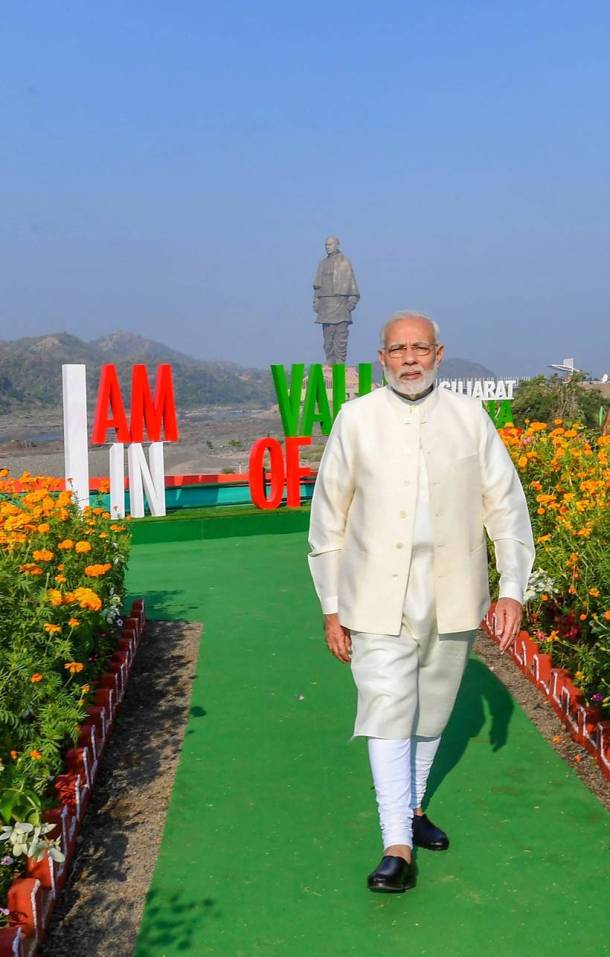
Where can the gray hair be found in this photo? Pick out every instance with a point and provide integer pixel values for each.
(408, 314)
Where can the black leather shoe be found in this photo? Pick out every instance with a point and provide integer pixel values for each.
(393, 876)
(428, 835)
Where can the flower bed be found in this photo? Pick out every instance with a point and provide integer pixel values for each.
(65, 658)
(566, 478)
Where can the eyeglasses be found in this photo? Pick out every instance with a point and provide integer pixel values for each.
(419, 348)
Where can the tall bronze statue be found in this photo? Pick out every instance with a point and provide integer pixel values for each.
(335, 296)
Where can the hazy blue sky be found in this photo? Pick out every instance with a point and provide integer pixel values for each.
(173, 168)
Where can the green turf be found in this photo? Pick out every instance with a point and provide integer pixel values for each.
(272, 824)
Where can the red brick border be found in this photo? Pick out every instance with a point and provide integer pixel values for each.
(34, 896)
(584, 723)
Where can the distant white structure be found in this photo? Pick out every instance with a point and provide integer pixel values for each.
(567, 366)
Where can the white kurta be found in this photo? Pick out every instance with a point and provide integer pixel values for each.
(408, 679)
(367, 509)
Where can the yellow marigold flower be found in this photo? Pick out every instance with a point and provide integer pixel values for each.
(51, 629)
(66, 544)
(95, 571)
(36, 677)
(85, 689)
(579, 675)
(55, 597)
(522, 461)
(43, 528)
(87, 599)
(74, 667)
(35, 755)
(543, 538)
(73, 622)
(82, 547)
(594, 592)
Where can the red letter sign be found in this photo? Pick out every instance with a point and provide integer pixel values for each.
(148, 414)
(257, 473)
(109, 400)
(294, 472)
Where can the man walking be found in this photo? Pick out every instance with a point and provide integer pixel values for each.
(411, 478)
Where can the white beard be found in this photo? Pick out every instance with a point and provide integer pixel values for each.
(412, 389)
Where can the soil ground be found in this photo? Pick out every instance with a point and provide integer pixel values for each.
(101, 904)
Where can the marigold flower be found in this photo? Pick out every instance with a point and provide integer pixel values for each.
(55, 597)
(556, 738)
(607, 615)
(43, 528)
(583, 617)
(42, 555)
(87, 599)
(579, 675)
(14, 755)
(522, 461)
(35, 755)
(60, 578)
(74, 667)
(94, 571)
(3, 473)
(544, 596)
(51, 629)
(553, 636)
(82, 547)
(73, 622)
(557, 421)
(66, 544)
(86, 689)
(36, 677)
(594, 592)
(30, 568)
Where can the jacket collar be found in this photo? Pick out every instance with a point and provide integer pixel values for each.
(413, 409)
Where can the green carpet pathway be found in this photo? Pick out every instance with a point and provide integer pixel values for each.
(272, 825)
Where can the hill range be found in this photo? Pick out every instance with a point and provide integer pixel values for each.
(30, 371)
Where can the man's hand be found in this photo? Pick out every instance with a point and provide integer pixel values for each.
(507, 621)
(338, 638)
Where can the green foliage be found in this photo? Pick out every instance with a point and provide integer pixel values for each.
(543, 399)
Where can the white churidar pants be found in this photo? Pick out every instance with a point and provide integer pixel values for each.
(400, 773)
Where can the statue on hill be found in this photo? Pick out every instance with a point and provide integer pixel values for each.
(335, 296)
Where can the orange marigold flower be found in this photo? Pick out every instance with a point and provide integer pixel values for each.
(60, 578)
(30, 568)
(522, 461)
(43, 528)
(74, 667)
(55, 597)
(51, 629)
(42, 555)
(73, 622)
(553, 636)
(579, 675)
(594, 592)
(557, 421)
(556, 738)
(94, 571)
(35, 755)
(543, 538)
(607, 615)
(82, 547)
(66, 544)
(571, 590)
(14, 755)
(3, 473)
(541, 511)
(537, 427)
(544, 596)
(36, 677)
